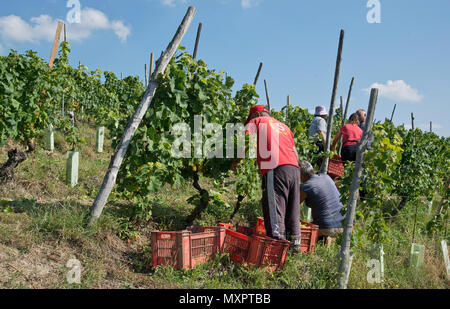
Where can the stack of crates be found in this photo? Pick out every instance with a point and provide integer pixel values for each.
(189, 248)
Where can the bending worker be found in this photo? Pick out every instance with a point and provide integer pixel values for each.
(321, 195)
(278, 164)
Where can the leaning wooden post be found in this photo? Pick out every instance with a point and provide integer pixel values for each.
(324, 168)
(393, 112)
(267, 95)
(354, 192)
(55, 43)
(257, 74)
(116, 161)
(197, 40)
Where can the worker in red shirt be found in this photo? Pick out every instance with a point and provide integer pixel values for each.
(351, 136)
(277, 160)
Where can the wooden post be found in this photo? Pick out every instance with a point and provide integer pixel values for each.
(151, 67)
(343, 123)
(146, 78)
(348, 100)
(55, 43)
(257, 74)
(62, 106)
(121, 76)
(444, 249)
(288, 104)
(65, 33)
(267, 95)
(412, 121)
(324, 167)
(197, 40)
(415, 222)
(431, 126)
(393, 111)
(347, 104)
(116, 161)
(72, 168)
(354, 191)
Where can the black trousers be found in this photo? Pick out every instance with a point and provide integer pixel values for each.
(349, 153)
(281, 203)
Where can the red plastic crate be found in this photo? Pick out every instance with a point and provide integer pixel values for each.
(226, 225)
(268, 253)
(237, 245)
(246, 230)
(187, 249)
(309, 237)
(336, 167)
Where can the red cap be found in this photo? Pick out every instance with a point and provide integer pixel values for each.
(255, 109)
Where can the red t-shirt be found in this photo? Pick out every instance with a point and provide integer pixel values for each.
(275, 143)
(351, 134)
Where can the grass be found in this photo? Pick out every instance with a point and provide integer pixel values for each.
(43, 225)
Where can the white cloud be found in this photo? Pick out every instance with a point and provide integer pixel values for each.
(172, 3)
(398, 91)
(14, 29)
(247, 4)
(121, 30)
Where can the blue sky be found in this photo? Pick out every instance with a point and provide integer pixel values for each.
(406, 55)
